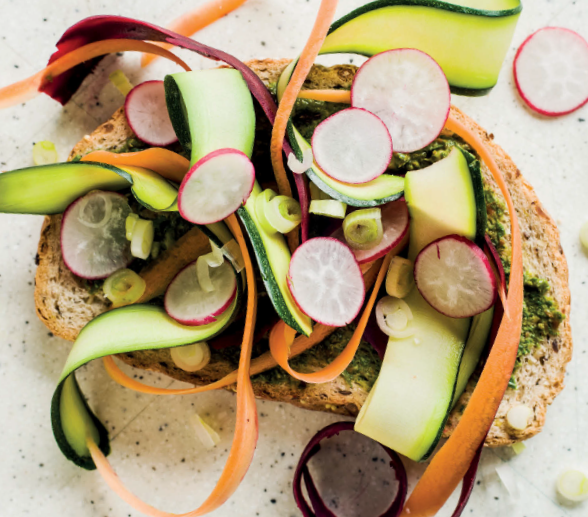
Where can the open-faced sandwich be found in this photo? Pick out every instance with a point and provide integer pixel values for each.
(399, 269)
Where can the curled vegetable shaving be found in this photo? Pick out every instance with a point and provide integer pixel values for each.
(303, 474)
(451, 463)
(246, 430)
(282, 337)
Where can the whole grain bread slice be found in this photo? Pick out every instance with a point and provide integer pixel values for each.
(65, 304)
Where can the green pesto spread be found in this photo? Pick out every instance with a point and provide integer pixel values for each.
(363, 370)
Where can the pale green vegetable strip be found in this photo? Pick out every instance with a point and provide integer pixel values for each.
(121, 82)
(328, 208)
(44, 153)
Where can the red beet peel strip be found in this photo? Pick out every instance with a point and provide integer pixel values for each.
(97, 28)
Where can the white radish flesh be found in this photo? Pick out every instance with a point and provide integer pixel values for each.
(188, 303)
(551, 71)
(352, 146)
(326, 281)
(93, 235)
(395, 223)
(408, 91)
(455, 277)
(216, 186)
(146, 112)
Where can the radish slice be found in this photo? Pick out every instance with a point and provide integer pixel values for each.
(551, 71)
(326, 281)
(93, 235)
(455, 277)
(395, 221)
(216, 186)
(188, 303)
(353, 146)
(407, 89)
(147, 114)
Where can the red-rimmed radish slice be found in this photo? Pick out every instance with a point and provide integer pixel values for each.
(326, 281)
(455, 277)
(353, 146)
(146, 112)
(408, 91)
(216, 186)
(551, 71)
(188, 303)
(93, 235)
(395, 222)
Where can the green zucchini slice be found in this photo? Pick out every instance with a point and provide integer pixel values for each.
(421, 374)
(273, 258)
(50, 189)
(211, 110)
(468, 38)
(128, 329)
(382, 190)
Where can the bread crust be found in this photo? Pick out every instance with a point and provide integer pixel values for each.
(65, 306)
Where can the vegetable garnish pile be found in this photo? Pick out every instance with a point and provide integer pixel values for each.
(324, 251)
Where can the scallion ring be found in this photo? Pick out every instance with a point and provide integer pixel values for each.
(394, 317)
(363, 228)
(124, 287)
(283, 213)
(261, 203)
(142, 240)
(130, 223)
(44, 153)
(95, 211)
(191, 358)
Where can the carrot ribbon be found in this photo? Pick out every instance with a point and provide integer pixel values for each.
(164, 162)
(190, 23)
(246, 430)
(451, 463)
(307, 58)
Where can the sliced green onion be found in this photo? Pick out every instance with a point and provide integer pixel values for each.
(363, 228)
(518, 417)
(120, 80)
(300, 167)
(168, 239)
(124, 287)
(191, 358)
(215, 258)
(394, 317)
(260, 207)
(400, 278)
(573, 485)
(130, 223)
(328, 208)
(206, 434)
(44, 153)
(97, 216)
(584, 236)
(232, 251)
(142, 239)
(518, 447)
(283, 213)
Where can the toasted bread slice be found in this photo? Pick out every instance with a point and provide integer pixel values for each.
(65, 305)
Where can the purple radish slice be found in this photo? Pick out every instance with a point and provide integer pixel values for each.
(188, 303)
(455, 277)
(326, 281)
(408, 91)
(146, 112)
(93, 235)
(352, 146)
(395, 221)
(216, 186)
(551, 71)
